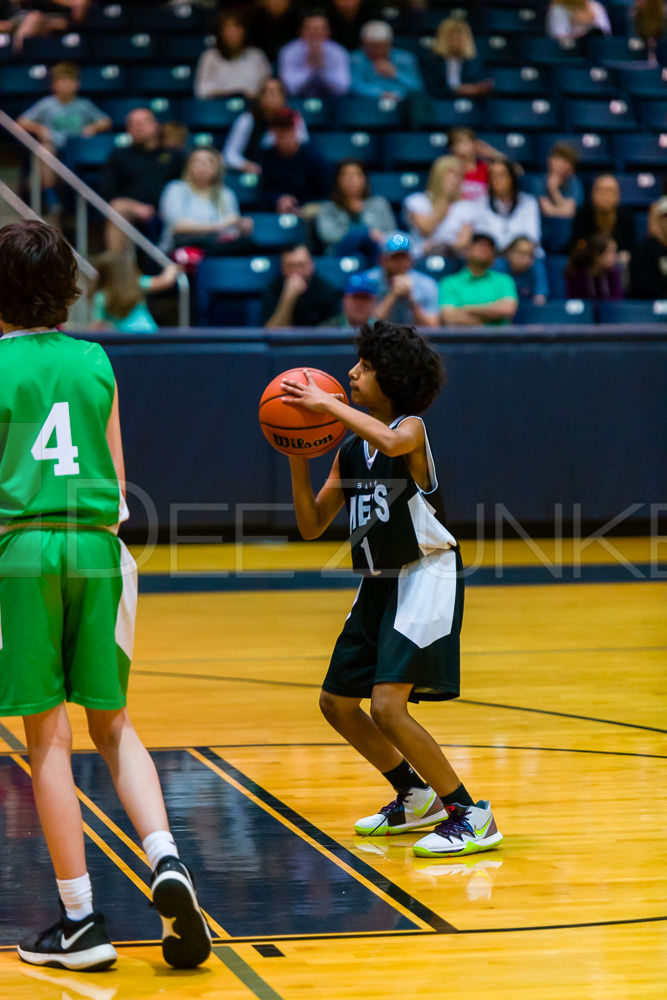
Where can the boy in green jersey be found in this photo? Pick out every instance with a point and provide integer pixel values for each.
(68, 589)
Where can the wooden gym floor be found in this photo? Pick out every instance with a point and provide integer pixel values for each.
(561, 724)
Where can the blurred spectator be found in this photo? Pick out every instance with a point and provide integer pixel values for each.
(312, 65)
(298, 296)
(452, 67)
(648, 266)
(293, 173)
(472, 152)
(406, 295)
(561, 192)
(378, 70)
(42, 17)
(53, 120)
(274, 23)
(199, 210)
(478, 294)
(603, 213)
(119, 294)
(253, 131)
(425, 211)
(231, 66)
(503, 214)
(346, 19)
(528, 271)
(592, 270)
(650, 21)
(359, 301)
(354, 221)
(568, 20)
(135, 176)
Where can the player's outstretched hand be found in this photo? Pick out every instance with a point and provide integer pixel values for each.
(309, 394)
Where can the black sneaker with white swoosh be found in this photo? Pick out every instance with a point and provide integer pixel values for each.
(80, 945)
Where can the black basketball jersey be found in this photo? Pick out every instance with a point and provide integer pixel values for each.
(392, 521)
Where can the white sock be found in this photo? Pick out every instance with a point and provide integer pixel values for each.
(77, 896)
(159, 845)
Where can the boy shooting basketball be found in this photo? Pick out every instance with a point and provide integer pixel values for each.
(400, 642)
(68, 596)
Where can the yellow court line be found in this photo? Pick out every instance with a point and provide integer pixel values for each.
(110, 853)
(310, 840)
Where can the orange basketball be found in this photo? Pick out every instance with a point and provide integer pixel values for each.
(296, 430)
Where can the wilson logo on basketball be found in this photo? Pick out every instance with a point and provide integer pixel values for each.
(300, 443)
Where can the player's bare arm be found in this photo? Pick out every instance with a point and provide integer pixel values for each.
(115, 442)
(314, 514)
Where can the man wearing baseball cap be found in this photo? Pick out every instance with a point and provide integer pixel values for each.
(477, 295)
(359, 301)
(406, 295)
(648, 264)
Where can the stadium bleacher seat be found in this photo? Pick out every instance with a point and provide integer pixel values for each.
(56, 48)
(548, 52)
(519, 146)
(653, 115)
(179, 18)
(639, 190)
(334, 146)
(591, 81)
(633, 312)
(82, 154)
(397, 185)
(229, 289)
(608, 50)
(6, 51)
(416, 150)
(499, 50)
(316, 113)
(118, 108)
(567, 311)
(31, 81)
(122, 48)
(369, 114)
(523, 20)
(106, 17)
(174, 48)
(246, 189)
(556, 235)
(522, 115)
(555, 264)
(445, 113)
(593, 148)
(438, 267)
(151, 80)
(108, 79)
(521, 81)
(211, 115)
(604, 116)
(337, 270)
(273, 233)
(640, 151)
(642, 81)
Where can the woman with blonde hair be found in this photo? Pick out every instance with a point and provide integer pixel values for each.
(425, 211)
(199, 210)
(568, 20)
(452, 67)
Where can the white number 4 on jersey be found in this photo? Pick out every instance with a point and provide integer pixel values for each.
(63, 452)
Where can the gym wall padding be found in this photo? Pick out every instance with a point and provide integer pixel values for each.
(530, 418)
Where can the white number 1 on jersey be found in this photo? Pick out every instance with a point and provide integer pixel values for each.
(367, 552)
(63, 452)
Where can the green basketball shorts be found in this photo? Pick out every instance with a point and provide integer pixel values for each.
(67, 607)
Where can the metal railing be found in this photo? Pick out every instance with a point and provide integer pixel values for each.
(86, 198)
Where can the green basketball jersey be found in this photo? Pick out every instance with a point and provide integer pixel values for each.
(56, 396)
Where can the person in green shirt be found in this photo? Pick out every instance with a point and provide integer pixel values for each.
(477, 295)
(68, 589)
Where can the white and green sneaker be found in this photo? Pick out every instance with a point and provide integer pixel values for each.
(412, 809)
(466, 830)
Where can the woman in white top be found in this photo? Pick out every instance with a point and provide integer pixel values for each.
(504, 213)
(230, 66)
(199, 210)
(252, 130)
(425, 211)
(568, 20)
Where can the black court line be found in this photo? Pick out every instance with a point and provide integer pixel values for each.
(563, 715)
(271, 682)
(485, 576)
(12, 741)
(382, 883)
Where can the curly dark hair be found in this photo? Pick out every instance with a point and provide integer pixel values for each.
(408, 370)
(38, 275)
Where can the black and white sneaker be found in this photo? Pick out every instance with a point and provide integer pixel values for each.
(80, 945)
(186, 941)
